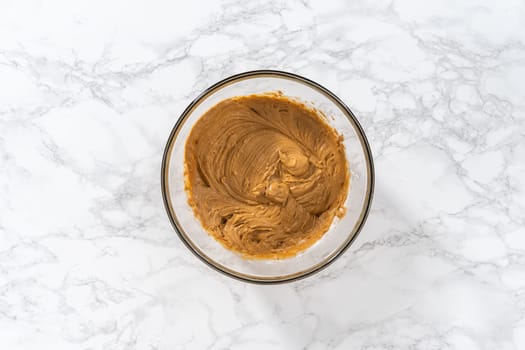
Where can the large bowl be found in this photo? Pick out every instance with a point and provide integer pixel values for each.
(343, 230)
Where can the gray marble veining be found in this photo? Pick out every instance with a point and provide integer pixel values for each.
(90, 90)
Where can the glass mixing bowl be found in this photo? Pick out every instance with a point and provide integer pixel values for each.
(343, 230)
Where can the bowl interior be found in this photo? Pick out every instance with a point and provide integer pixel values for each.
(341, 232)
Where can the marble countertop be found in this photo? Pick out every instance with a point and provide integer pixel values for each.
(89, 91)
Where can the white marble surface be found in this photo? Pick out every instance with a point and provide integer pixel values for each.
(89, 91)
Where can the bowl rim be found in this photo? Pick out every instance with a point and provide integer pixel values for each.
(253, 278)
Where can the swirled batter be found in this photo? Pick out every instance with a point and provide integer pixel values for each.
(265, 175)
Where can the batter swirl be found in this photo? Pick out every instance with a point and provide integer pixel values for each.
(265, 175)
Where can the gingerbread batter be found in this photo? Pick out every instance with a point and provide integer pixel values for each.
(265, 175)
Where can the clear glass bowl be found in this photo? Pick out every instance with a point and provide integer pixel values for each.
(342, 232)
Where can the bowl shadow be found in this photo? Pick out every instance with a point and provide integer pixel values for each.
(368, 285)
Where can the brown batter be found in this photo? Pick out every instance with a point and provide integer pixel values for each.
(265, 175)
